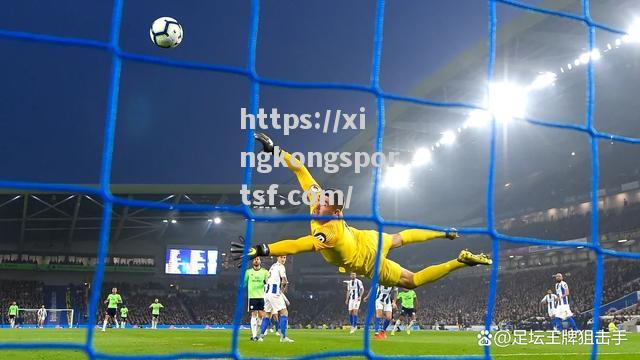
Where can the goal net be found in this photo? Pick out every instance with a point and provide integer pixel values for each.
(54, 317)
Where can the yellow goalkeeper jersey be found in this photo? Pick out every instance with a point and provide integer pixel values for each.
(346, 246)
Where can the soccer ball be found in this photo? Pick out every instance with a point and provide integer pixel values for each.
(166, 32)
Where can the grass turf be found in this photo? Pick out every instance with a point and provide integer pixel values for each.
(141, 342)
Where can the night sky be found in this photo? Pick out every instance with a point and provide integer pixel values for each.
(180, 126)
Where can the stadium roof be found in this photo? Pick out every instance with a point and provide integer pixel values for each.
(56, 217)
(551, 164)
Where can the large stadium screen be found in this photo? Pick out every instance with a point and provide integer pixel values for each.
(183, 260)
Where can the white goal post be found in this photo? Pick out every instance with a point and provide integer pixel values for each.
(54, 316)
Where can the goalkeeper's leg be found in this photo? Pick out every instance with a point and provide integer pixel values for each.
(411, 236)
(411, 280)
(391, 273)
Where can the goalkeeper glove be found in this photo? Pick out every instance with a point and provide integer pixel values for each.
(237, 249)
(451, 234)
(267, 143)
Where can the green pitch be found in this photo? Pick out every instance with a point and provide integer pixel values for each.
(140, 342)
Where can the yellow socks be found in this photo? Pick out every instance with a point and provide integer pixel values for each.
(435, 272)
(411, 236)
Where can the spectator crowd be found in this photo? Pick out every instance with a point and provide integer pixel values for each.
(443, 302)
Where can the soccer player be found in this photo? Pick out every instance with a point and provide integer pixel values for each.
(563, 311)
(155, 313)
(255, 280)
(355, 289)
(124, 314)
(352, 249)
(42, 315)
(408, 301)
(274, 299)
(112, 301)
(460, 320)
(385, 303)
(13, 314)
(551, 300)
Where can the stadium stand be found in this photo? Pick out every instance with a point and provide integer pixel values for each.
(576, 225)
(525, 275)
(27, 294)
(519, 294)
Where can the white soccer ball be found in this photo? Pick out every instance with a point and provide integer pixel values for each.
(166, 32)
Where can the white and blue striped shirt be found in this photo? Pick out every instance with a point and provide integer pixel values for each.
(561, 290)
(277, 272)
(384, 294)
(355, 289)
(552, 302)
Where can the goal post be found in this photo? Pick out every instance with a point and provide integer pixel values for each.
(54, 317)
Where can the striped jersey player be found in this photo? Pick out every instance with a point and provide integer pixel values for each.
(355, 289)
(42, 316)
(385, 303)
(274, 299)
(563, 311)
(551, 300)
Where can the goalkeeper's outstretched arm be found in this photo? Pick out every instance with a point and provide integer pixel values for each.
(300, 171)
(307, 182)
(283, 247)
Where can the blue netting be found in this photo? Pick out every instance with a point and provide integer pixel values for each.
(374, 88)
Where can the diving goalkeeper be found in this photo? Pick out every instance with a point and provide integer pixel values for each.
(354, 249)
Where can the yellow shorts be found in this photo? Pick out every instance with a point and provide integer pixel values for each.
(390, 271)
